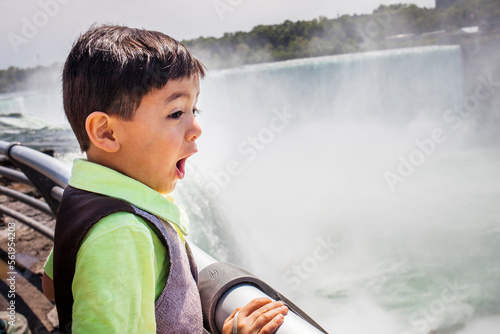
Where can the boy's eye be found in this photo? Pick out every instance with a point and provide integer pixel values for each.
(176, 114)
(196, 112)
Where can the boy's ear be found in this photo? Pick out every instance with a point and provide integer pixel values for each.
(99, 127)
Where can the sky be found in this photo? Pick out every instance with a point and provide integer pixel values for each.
(41, 32)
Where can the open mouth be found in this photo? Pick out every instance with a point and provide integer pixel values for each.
(181, 164)
(181, 167)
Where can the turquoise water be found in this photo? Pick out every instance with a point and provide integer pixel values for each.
(352, 184)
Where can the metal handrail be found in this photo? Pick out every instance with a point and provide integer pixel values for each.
(33, 202)
(57, 192)
(44, 164)
(15, 175)
(46, 231)
(40, 171)
(43, 171)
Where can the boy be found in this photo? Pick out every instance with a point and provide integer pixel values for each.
(120, 263)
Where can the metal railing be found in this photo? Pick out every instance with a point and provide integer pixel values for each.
(44, 173)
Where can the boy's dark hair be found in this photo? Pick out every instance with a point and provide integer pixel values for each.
(111, 68)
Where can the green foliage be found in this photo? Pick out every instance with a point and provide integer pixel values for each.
(323, 36)
(38, 78)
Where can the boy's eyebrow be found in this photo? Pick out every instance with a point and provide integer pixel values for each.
(176, 95)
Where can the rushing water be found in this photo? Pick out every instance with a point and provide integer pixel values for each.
(356, 185)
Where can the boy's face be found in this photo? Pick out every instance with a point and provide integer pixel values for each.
(160, 137)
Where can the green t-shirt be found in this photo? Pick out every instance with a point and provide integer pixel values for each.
(121, 265)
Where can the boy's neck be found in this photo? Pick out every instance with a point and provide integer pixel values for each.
(100, 157)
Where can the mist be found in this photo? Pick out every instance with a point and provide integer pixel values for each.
(364, 186)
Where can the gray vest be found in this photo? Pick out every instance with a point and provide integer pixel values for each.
(177, 309)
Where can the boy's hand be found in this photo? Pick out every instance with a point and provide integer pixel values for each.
(261, 315)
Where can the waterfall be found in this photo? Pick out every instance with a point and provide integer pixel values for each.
(355, 185)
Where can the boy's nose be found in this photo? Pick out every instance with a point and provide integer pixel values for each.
(195, 131)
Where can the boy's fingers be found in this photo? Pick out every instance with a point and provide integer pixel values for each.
(261, 315)
(269, 317)
(254, 305)
(266, 311)
(273, 325)
(231, 317)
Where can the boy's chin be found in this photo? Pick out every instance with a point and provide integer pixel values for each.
(167, 189)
